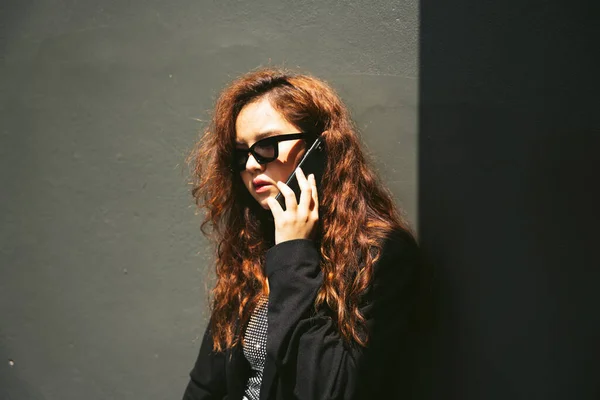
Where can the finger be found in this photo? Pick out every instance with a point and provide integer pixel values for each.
(305, 191)
(315, 194)
(275, 207)
(289, 195)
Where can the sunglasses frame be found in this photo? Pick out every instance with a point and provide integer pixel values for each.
(274, 140)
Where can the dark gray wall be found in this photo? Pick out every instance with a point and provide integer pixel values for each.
(102, 265)
(509, 133)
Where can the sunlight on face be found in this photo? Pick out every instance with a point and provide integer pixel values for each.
(258, 120)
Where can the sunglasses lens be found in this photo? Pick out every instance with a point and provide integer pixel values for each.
(240, 159)
(266, 151)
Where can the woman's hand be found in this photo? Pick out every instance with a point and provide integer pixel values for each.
(299, 220)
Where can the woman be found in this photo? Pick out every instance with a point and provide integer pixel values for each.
(314, 301)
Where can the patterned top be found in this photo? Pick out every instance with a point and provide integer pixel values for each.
(255, 348)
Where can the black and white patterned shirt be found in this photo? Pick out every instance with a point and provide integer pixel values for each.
(255, 348)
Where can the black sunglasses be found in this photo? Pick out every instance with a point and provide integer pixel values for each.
(266, 150)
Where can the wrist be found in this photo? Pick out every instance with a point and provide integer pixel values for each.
(292, 254)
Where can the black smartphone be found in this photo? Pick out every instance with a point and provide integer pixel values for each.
(313, 162)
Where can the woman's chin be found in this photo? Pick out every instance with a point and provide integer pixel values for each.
(261, 199)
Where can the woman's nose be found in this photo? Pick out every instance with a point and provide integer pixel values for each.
(252, 164)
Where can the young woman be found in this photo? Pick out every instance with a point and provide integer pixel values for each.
(313, 300)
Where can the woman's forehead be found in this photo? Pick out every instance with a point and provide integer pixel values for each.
(260, 136)
(258, 120)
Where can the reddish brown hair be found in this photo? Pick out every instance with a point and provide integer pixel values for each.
(356, 212)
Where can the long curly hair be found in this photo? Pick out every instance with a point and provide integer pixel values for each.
(356, 211)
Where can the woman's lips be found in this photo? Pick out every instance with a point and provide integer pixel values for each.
(260, 187)
(263, 188)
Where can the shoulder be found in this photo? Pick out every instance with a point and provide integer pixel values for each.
(399, 264)
(399, 245)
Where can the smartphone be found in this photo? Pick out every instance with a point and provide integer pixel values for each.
(313, 162)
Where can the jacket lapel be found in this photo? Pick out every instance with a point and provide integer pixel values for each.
(269, 374)
(238, 371)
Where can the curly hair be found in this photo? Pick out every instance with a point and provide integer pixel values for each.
(356, 211)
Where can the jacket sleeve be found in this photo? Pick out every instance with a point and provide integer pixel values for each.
(310, 358)
(207, 378)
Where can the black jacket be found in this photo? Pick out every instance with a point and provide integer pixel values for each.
(306, 357)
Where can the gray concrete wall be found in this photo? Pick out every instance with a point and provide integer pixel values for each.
(102, 265)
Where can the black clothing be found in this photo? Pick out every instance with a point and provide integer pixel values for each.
(306, 356)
